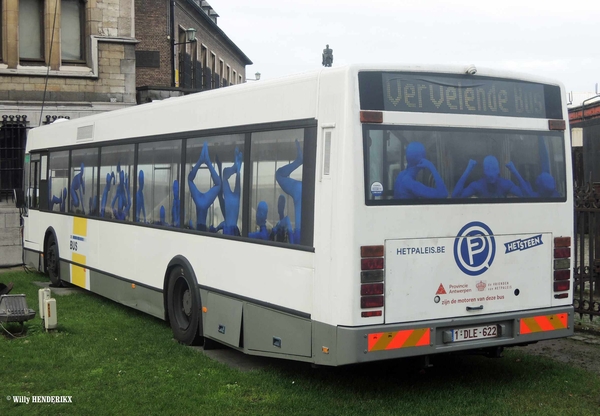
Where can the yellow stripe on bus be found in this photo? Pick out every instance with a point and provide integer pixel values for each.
(80, 226)
(543, 323)
(77, 272)
(400, 339)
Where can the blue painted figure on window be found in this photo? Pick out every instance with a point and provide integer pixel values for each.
(261, 220)
(109, 177)
(293, 188)
(203, 200)
(122, 197)
(140, 206)
(93, 208)
(230, 202)
(545, 186)
(59, 200)
(406, 185)
(78, 189)
(282, 231)
(175, 209)
(490, 186)
(162, 216)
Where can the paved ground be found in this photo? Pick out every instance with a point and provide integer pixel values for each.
(581, 350)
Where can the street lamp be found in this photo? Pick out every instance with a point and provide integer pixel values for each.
(257, 77)
(190, 36)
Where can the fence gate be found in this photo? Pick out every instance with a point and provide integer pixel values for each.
(586, 293)
(12, 153)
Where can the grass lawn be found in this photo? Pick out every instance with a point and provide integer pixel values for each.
(113, 360)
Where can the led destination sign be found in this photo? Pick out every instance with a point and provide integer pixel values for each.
(433, 93)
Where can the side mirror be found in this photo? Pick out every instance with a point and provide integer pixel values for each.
(19, 198)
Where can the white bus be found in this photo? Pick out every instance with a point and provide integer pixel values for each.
(348, 215)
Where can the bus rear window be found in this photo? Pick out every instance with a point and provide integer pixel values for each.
(405, 165)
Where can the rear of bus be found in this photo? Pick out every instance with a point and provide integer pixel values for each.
(463, 230)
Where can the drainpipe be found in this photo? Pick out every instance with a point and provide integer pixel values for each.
(172, 36)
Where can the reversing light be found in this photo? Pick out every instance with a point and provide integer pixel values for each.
(370, 276)
(562, 264)
(562, 285)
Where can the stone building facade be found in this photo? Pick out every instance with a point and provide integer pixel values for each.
(182, 50)
(58, 58)
(73, 57)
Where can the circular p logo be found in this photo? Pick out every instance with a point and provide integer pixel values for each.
(474, 248)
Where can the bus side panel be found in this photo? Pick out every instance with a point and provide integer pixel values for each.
(142, 298)
(284, 334)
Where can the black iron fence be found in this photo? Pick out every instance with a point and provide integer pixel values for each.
(13, 133)
(586, 257)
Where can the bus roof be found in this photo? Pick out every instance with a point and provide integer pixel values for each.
(265, 101)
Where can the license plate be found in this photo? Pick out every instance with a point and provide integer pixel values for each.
(477, 332)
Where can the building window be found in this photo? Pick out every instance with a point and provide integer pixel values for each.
(31, 30)
(71, 42)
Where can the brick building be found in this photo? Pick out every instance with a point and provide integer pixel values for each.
(182, 50)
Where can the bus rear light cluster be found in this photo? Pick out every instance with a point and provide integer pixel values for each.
(562, 266)
(371, 279)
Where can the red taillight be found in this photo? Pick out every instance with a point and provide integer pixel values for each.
(562, 252)
(371, 264)
(371, 251)
(371, 289)
(370, 313)
(371, 277)
(562, 266)
(371, 302)
(561, 296)
(562, 242)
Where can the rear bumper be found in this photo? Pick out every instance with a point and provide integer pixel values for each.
(383, 342)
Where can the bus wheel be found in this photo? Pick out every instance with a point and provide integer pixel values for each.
(183, 305)
(53, 262)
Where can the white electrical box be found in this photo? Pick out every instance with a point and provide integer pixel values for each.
(43, 294)
(50, 313)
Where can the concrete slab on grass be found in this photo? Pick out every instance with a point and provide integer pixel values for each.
(61, 291)
(238, 360)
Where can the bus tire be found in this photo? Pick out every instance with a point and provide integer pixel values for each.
(183, 305)
(53, 262)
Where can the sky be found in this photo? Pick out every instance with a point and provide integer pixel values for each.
(547, 38)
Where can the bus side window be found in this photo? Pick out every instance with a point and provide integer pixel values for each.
(58, 181)
(84, 182)
(117, 173)
(158, 187)
(213, 173)
(277, 161)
